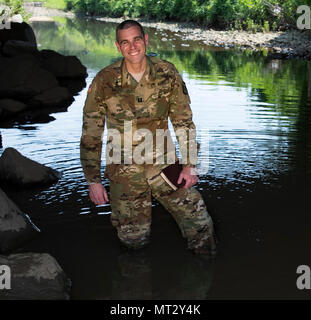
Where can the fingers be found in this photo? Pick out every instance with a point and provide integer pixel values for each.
(180, 178)
(95, 198)
(190, 179)
(106, 196)
(98, 194)
(190, 182)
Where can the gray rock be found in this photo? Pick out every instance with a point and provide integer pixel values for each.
(62, 66)
(15, 227)
(21, 171)
(22, 77)
(34, 276)
(54, 97)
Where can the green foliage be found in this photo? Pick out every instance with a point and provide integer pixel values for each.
(16, 7)
(251, 15)
(55, 4)
(266, 26)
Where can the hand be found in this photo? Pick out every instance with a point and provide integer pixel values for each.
(190, 176)
(98, 193)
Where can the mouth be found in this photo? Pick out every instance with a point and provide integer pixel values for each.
(134, 53)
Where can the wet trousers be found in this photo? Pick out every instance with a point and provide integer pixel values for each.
(130, 197)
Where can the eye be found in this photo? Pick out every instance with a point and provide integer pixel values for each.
(124, 43)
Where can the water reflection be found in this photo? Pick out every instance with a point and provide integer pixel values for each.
(136, 276)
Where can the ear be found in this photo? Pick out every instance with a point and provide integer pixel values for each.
(118, 46)
(146, 39)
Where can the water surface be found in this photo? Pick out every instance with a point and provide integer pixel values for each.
(252, 114)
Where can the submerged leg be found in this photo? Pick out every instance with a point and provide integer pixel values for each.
(131, 208)
(189, 211)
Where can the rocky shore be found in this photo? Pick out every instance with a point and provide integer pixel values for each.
(27, 275)
(282, 44)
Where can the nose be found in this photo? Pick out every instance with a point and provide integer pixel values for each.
(133, 45)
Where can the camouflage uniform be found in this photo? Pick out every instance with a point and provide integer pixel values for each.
(116, 97)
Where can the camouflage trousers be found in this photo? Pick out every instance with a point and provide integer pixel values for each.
(130, 196)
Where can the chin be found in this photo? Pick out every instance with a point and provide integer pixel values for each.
(137, 60)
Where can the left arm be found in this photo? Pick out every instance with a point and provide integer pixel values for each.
(180, 115)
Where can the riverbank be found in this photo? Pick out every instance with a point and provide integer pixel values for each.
(282, 44)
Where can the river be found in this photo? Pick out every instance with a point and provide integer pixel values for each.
(253, 116)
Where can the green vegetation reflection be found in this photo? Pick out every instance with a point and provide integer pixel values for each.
(276, 82)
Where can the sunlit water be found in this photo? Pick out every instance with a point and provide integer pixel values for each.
(247, 109)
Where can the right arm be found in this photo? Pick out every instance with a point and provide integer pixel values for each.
(94, 112)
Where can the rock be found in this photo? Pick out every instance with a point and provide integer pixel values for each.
(15, 226)
(54, 97)
(41, 19)
(20, 32)
(18, 170)
(14, 48)
(22, 77)
(73, 85)
(62, 66)
(10, 107)
(34, 276)
(39, 82)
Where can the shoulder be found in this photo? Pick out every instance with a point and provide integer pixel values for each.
(109, 73)
(164, 66)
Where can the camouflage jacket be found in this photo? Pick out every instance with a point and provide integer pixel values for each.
(116, 98)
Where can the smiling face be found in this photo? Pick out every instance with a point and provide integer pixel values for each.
(132, 44)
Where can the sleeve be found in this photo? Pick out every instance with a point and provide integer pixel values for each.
(94, 113)
(180, 115)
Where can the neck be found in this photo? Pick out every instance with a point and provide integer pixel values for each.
(137, 67)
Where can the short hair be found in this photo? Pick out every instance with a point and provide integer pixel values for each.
(128, 24)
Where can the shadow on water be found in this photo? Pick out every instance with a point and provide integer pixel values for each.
(253, 118)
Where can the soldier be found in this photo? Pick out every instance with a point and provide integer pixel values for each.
(137, 95)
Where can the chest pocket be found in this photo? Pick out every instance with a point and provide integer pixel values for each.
(121, 105)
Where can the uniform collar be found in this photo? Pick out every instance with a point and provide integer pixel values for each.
(149, 74)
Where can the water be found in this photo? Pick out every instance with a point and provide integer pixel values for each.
(253, 117)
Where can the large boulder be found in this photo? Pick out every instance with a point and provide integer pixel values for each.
(62, 66)
(16, 47)
(39, 82)
(18, 31)
(54, 97)
(22, 77)
(18, 39)
(10, 107)
(21, 171)
(15, 227)
(33, 276)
